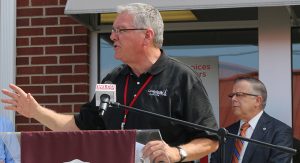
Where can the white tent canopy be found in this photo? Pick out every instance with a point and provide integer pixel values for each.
(104, 6)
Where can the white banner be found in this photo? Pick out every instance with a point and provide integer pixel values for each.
(207, 68)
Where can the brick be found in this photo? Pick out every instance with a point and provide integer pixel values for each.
(55, 11)
(32, 45)
(58, 69)
(33, 89)
(58, 30)
(29, 12)
(44, 60)
(22, 80)
(67, 20)
(59, 89)
(73, 98)
(74, 79)
(58, 49)
(22, 61)
(30, 31)
(44, 21)
(29, 127)
(81, 69)
(44, 79)
(43, 40)
(80, 30)
(33, 121)
(74, 59)
(21, 119)
(46, 98)
(22, 3)
(81, 49)
(73, 39)
(77, 107)
(63, 2)
(82, 88)
(22, 22)
(29, 70)
(22, 41)
(44, 2)
(30, 51)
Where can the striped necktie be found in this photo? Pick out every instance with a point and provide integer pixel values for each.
(239, 143)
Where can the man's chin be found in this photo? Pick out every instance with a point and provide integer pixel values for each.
(236, 111)
(117, 57)
(120, 57)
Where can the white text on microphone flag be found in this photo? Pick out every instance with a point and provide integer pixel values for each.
(109, 89)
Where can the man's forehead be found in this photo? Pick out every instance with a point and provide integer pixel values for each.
(242, 85)
(123, 20)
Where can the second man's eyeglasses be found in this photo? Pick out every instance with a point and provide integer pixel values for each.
(240, 94)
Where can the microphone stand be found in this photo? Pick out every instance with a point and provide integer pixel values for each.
(222, 132)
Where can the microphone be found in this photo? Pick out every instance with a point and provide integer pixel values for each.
(105, 93)
(104, 98)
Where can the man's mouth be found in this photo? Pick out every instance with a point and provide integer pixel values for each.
(115, 46)
(235, 106)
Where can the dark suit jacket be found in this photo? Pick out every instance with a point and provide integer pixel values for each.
(269, 130)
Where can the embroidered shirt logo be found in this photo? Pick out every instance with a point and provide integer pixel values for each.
(157, 92)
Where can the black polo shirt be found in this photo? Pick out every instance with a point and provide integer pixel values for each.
(174, 91)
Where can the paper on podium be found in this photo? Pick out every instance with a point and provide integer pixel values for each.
(143, 137)
(139, 154)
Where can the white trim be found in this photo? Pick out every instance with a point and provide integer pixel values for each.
(93, 62)
(7, 48)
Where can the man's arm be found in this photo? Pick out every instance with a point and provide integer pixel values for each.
(160, 151)
(27, 106)
(56, 121)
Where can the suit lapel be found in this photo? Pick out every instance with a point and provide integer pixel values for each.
(258, 134)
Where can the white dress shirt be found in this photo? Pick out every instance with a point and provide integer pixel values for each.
(253, 123)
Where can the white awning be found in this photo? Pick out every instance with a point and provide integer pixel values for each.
(105, 6)
(86, 11)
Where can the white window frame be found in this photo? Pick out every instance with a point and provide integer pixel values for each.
(7, 49)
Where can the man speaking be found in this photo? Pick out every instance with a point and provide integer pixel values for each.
(148, 80)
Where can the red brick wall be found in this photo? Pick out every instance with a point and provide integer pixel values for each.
(52, 58)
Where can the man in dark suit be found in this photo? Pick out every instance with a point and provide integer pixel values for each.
(248, 99)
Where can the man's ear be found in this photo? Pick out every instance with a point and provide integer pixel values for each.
(149, 36)
(259, 100)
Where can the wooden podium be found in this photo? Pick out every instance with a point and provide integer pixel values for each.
(107, 146)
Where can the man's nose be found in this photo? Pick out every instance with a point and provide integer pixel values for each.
(234, 98)
(113, 36)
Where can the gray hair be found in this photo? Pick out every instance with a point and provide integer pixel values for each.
(145, 16)
(257, 86)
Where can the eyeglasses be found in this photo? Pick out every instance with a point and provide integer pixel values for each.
(118, 30)
(240, 94)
